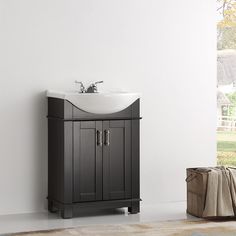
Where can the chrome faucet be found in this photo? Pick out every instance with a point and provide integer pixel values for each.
(92, 88)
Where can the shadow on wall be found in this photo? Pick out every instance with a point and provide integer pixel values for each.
(41, 167)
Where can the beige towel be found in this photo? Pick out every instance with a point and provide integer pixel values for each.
(218, 197)
(232, 173)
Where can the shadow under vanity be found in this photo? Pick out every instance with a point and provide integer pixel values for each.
(93, 159)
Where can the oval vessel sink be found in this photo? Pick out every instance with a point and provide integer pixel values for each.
(97, 103)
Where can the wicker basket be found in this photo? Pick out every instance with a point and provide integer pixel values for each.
(196, 190)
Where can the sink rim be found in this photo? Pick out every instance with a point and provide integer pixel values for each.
(105, 102)
(54, 93)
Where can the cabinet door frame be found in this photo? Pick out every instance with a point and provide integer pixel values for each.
(127, 162)
(78, 127)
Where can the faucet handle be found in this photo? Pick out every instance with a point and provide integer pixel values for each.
(82, 88)
(93, 87)
(99, 82)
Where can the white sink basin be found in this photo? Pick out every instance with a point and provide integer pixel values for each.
(97, 103)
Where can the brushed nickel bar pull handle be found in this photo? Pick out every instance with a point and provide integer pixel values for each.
(107, 137)
(99, 138)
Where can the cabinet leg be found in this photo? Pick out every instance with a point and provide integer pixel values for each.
(51, 207)
(135, 208)
(67, 212)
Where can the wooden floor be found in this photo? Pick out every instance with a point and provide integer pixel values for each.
(164, 228)
(47, 221)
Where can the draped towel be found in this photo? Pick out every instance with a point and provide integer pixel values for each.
(221, 192)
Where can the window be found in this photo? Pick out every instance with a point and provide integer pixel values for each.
(226, 82)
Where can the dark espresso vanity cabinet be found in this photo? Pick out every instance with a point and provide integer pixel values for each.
(93, 160)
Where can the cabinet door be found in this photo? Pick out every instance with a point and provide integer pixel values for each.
(87, 161)
(117, 159)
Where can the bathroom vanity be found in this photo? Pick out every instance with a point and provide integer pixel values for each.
(93, 158)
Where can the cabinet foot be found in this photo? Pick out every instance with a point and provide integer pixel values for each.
(51, 207)
(67, 212)
(135, 208)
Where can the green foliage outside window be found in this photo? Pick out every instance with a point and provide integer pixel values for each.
(226, 27)
(232, 108)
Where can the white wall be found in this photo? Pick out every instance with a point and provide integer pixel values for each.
(164, 49)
